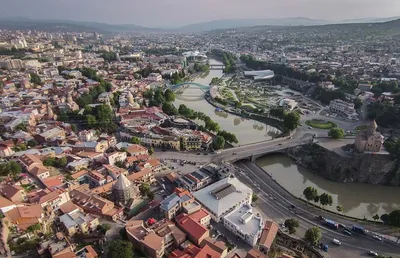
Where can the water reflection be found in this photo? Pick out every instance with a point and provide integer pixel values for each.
(244, 129)
(357, 199)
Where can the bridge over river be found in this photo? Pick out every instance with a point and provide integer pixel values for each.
(195, 85)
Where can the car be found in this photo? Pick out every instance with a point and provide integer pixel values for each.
(309, 127)
(336, 242)
(279, 144)
(292, 206)
(205, 153)
(198, 153)
(234, 153)
(163, 150)
(377, 237)
(347, 232)
(342, 226)
(372, 253)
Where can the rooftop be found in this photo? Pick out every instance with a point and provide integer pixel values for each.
(245, 220)
(223, 195)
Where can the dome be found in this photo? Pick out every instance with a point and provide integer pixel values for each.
(122, 183)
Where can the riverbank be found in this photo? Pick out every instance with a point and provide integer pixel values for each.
(386, 232)
(268, 121)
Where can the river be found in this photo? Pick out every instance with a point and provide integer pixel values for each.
(358, 200)
(246, 131)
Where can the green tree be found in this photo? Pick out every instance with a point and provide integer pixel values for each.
(103, 228)
(229, 137)
(169, 95)
(336, 133)
(291, 120)
(34, 228)
(74, 128)
(254, 197)
(151, 151)
(20, 126)
(310, 193)
(325, 199)
(357, 103)
(62, 162)
(120, 164)
(11, 168)
(291, 225)
(91, 121)
(32, 143)
(35, 78)
(135, 140)
(313, 235)
(316, 199)
(339, 208)
(148, 94)
(150, 195)
(278, 112)
(393, 147)
(169, 109)
(120, 249)
(385, 218)
(394, 218)
(376, 217)
(219, 142)
(144, 189)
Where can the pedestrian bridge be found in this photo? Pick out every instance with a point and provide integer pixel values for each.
(202, 87)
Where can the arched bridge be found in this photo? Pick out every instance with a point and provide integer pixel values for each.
(202, 87)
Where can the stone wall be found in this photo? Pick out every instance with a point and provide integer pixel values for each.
(363, 168)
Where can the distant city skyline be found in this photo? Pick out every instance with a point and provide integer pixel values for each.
(173, 13)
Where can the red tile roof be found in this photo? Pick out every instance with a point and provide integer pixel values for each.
(269, 233)
(190, 226)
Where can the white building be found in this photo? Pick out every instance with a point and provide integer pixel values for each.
(245, 224)
(289, 104)
(343, 108)
(154, 77)
(260, 75)
(224, 196)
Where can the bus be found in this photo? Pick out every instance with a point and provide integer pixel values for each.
(331, 224)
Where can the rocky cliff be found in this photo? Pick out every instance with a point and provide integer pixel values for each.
(362, 168)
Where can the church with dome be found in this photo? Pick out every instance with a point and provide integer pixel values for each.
(123, 190)
(369, 139)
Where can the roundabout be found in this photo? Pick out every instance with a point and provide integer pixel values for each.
(320, 124)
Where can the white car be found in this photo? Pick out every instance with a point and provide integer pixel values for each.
(336, 242)
(372, 253)
(377, 237)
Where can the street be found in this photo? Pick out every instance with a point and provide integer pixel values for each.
(275, 202)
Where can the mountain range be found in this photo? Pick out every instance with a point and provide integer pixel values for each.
(51, 25)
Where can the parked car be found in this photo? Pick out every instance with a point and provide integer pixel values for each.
(377, 237)
(336, 242)
(372, 253)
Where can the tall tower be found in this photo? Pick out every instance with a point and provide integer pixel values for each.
(69, 98)
(122, 190)
(130, 98)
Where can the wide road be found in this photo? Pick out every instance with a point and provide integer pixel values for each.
(275, 202)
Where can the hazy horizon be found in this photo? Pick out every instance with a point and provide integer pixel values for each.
(172, 13)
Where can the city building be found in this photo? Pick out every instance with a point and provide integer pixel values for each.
(75, 221)
(244, 224)
(14, 193)
(369, 139)
(267, 236)
(195, 231)
(224, 196)
(343, 108)
(180, 201)
(254, 253)
(260, 75)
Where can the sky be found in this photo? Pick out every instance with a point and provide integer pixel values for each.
(166, 13)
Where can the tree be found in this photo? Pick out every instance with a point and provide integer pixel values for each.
(103, 228)
(385, 218)
(150, 195)
(219, 142)
(325, 199)
(34, 227)
(336, 133)
(135, 140)
(376, 217)
(291, 120)
(151, 151)
(229, 137)
(20, 126)
(169, 109)
(313, 235)
(357, 103)
(310, 193)
(120, 249)
(291, 225)
(169, 95)
(393, 147)
(91, 121)
(254, 197)
(11, 168)
(62, 162)
(278, 112)
(74, 128)
(394, 218)
(120, 164)
(144, 189)
(35, 78)
(316, 199)
(339, 208)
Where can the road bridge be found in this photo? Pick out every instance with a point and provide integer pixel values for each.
(202, 87)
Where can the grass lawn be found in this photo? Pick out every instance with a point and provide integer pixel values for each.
(360, 128)
(320, 124)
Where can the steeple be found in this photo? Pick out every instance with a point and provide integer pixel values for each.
(50, 112)
(372, 127)
(130, 98)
